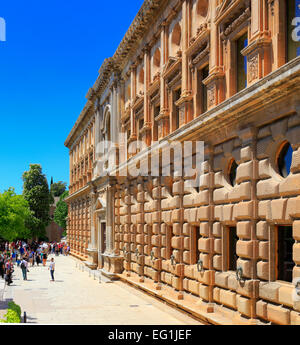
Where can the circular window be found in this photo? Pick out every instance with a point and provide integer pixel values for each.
(284, 160)
(232, 172)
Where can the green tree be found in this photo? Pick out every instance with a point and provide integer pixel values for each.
(61, 212)
(37, 194)
(58, 188)
(14, 214)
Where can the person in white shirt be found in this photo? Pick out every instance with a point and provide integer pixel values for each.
(52, 268)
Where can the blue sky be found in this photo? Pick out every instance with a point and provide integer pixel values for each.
(50, 59)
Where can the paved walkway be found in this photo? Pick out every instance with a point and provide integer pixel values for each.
(78, 297)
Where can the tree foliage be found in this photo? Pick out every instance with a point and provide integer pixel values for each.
(61, 211)
(14, 214)
(58, 188)
(36, 193)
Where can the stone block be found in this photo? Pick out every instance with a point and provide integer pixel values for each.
(204, 292)
(244, 172)
(220, 195)
(228, 298)
(186, 257)
(293, 207)
(244, 305)
(244, 249)
(278, 315)
(295, 318)
(194, 287)
(186, 284)
(204, 229)
(192, 216)
(269, 291)
(177, 242)
(217, 262)
(278, 208)
(203, 213)
(205, 258)
(155, 240)
(156, 217)
(189, 272)
(202, 198)
(246, 267)
(264, 210)
(262, 230)
(246, 154)
(186, 229)
(290, 185)
(218, 246)
(217, 229)
(205, 181)
(296, 230)
(267, 189)
(264, 169)
(261, 310)
(204, 244)
(232, 282)
(263, 270)
(156, 228)
(285, 295)
(263, 250)
(218, 213)
(221, 279)
(177, 215)
(295, 167)
(216, 294)
(243, 210)
(244, 230)
(296, 253)
(219, 180)
(176, 229)
(227, 213)
(177, 283)
(186, 243)
(204, 277)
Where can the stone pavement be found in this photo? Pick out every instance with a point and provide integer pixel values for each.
(78, 297)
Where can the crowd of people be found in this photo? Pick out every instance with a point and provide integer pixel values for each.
(24, 255)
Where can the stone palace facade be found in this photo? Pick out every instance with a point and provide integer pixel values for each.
(225, 73)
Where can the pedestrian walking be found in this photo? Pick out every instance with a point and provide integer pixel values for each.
(24, 268)
(44, 259)
(52, 269)
(38, 259)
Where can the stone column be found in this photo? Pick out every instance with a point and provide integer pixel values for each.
(133, 95)
(258, 51)
(164, 111)
(147, 115)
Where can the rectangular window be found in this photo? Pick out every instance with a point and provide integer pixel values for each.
(293, 29)
(177, 95)
(205, 73)
(241, 63)
(195, 241)
(232, 241)
(285, 263)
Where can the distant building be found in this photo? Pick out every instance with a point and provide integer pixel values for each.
(54, 231)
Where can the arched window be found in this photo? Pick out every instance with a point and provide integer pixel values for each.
(141, 81)
(156, 61)
(176, 39)
(232, 172)
(284, 159)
